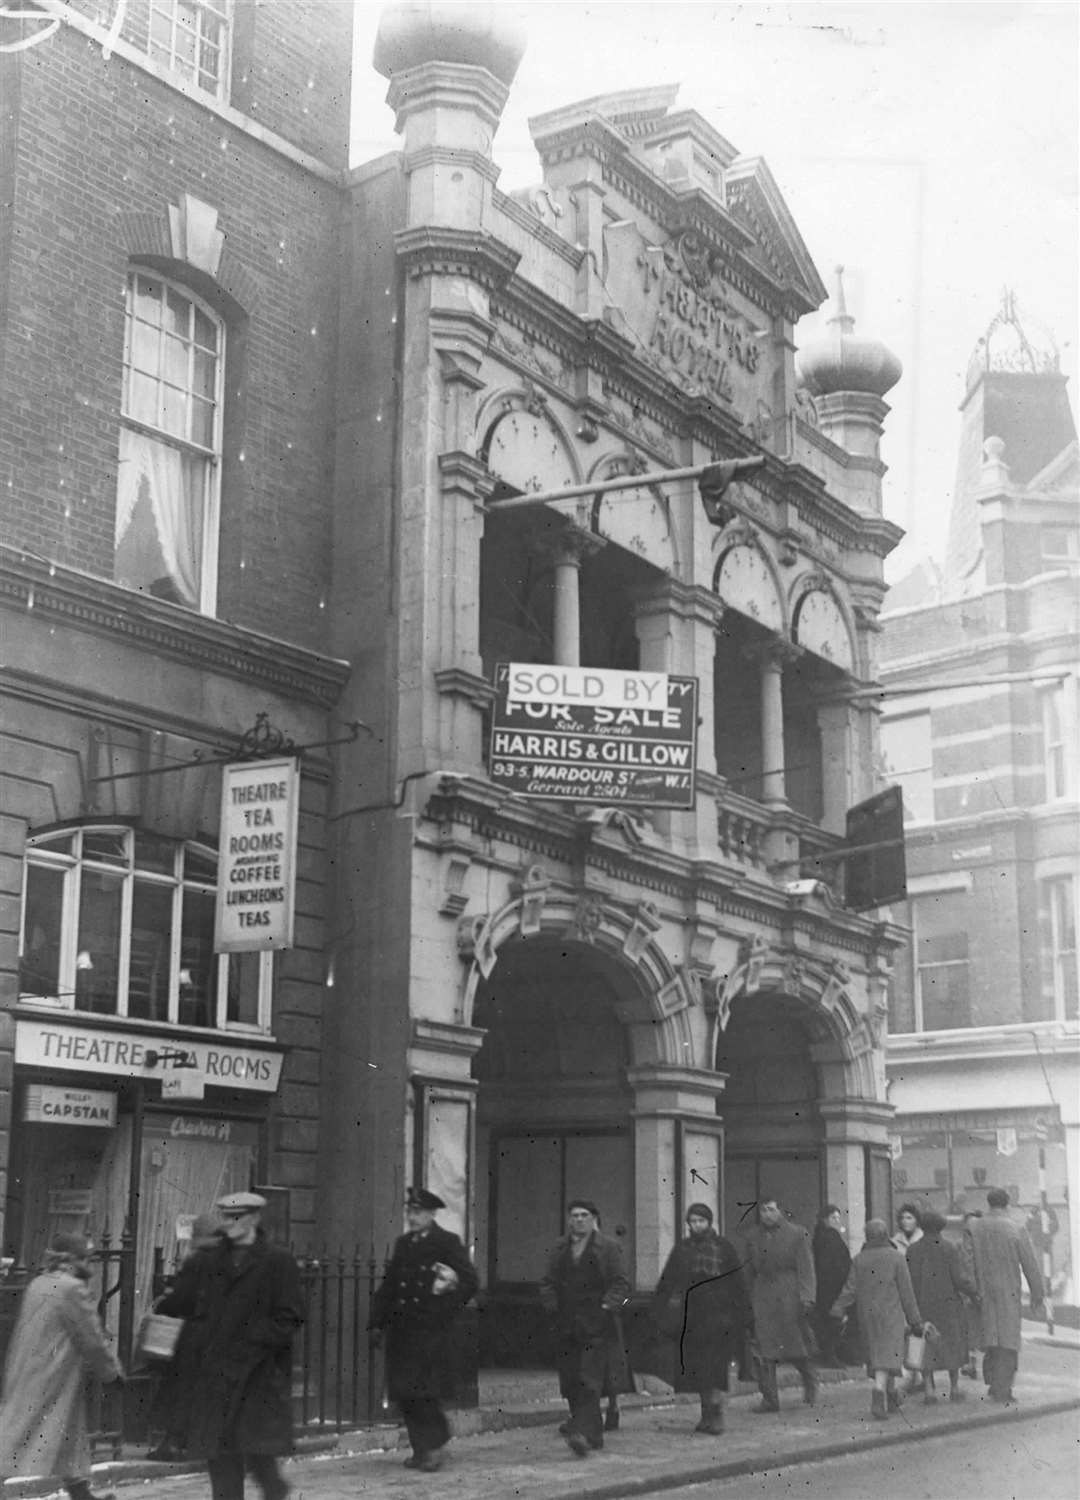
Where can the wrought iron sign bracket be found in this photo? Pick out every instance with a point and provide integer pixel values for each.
(262, 741)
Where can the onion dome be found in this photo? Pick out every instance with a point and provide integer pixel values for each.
(840, 362)
(424, 31)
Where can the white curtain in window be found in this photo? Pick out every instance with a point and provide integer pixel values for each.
(158, 517)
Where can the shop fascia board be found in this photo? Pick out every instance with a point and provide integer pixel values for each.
(1011, 1043)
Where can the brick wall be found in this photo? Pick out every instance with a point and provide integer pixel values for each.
(98, 148)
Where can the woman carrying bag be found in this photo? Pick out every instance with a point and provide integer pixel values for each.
(701, 1301)
(879, 1285)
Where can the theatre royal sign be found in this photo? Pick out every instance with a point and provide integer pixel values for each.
(688, 319)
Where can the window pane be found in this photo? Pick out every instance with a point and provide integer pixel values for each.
(105, 848)
(206, 334)
(197, 967)
(97, 965)
(39, 966)
(148, 300)
(200, 865)
(159, 520)
(243, 1008)
(55, 843)
(152, 853)
(151, 933)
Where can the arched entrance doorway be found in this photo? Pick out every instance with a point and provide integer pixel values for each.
(553, 1122)
(774, 1130)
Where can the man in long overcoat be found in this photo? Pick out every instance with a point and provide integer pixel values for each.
(428, 1281)
(783, 1289)
(997, 1250)
(247, 1303)
(57, 1341)
(583, 1287)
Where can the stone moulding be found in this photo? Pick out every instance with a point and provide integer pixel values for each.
(433, 251)
(197, 641)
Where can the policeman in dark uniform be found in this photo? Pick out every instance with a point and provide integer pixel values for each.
(427, 1283)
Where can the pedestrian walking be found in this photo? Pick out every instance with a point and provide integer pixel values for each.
(879, 1286)
(908, 1227)
(176, 1376)
(940, 1284)
(783, 1289)
(428, 1281)
(245, 1299)
(57, 1341)
(998, 1250)
(701, 1300)
(832, 1261)
(583, 1287)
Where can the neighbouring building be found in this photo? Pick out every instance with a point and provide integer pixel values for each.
(545, 995)
(979, 665)
(171, 191)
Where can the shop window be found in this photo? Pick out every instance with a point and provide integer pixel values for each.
(942, 972)
(170, 445)
(1057, 945)
(907, 751)
(187, 37)
(121, 923)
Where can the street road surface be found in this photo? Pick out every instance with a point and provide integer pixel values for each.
(1018, 1460)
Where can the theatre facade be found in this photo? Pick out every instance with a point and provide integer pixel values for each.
(602, 948)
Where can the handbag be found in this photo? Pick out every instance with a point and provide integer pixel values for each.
(158, 1336)
(915, 1351)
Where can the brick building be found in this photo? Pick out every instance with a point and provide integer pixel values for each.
(170, 199)
(979, 667)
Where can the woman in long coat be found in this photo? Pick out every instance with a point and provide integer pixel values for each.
(879, 1284)
(940, 1283)
(701, 1299)
(57, 1341)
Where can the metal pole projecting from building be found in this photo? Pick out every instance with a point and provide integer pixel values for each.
(717, 477)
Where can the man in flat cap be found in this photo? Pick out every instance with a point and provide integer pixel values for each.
(245, 1299)
(428, 1281)
(583, 1287)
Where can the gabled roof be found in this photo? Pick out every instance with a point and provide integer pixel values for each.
(755, 199)
(1061, 473)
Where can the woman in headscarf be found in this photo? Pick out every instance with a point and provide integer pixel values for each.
(701, 1299)
(57, 1341)
(879, 1285)
(908, 1227)
(832, 1262)
(940, 1282)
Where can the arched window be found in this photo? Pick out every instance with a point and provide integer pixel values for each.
(121, 923)
(170, 444)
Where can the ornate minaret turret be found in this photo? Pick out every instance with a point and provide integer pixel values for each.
(848, 377)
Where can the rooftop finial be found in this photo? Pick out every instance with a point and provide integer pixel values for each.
(843, 320)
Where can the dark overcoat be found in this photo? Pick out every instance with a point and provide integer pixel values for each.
(714, 1313)
(417, 1321)
(782, 1288)
(589, 1330)
(57, 1341)
(245, 1310)
(832, 1262)
(940, 1283)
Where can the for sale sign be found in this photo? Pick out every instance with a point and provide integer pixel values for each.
(589, 734)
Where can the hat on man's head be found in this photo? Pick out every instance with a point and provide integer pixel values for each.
(418, 1197)
(241, 1203)
(700, 1211)
(589, 1207)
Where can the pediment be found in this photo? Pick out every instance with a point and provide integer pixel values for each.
(756, 203)
(1061, 476)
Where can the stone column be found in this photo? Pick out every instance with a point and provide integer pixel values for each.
(678, 1151)
(567, 547)
(773, 788)
(836, 721)
(850, 1126)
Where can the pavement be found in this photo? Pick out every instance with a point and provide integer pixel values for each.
(513, 1451)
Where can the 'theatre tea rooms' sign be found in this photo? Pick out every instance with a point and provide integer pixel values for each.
(256, 894)
(587, 734)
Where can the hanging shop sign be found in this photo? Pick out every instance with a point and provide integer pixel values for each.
(84, 1049)
(47, 1105)
(256, 894)
(587, 734)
